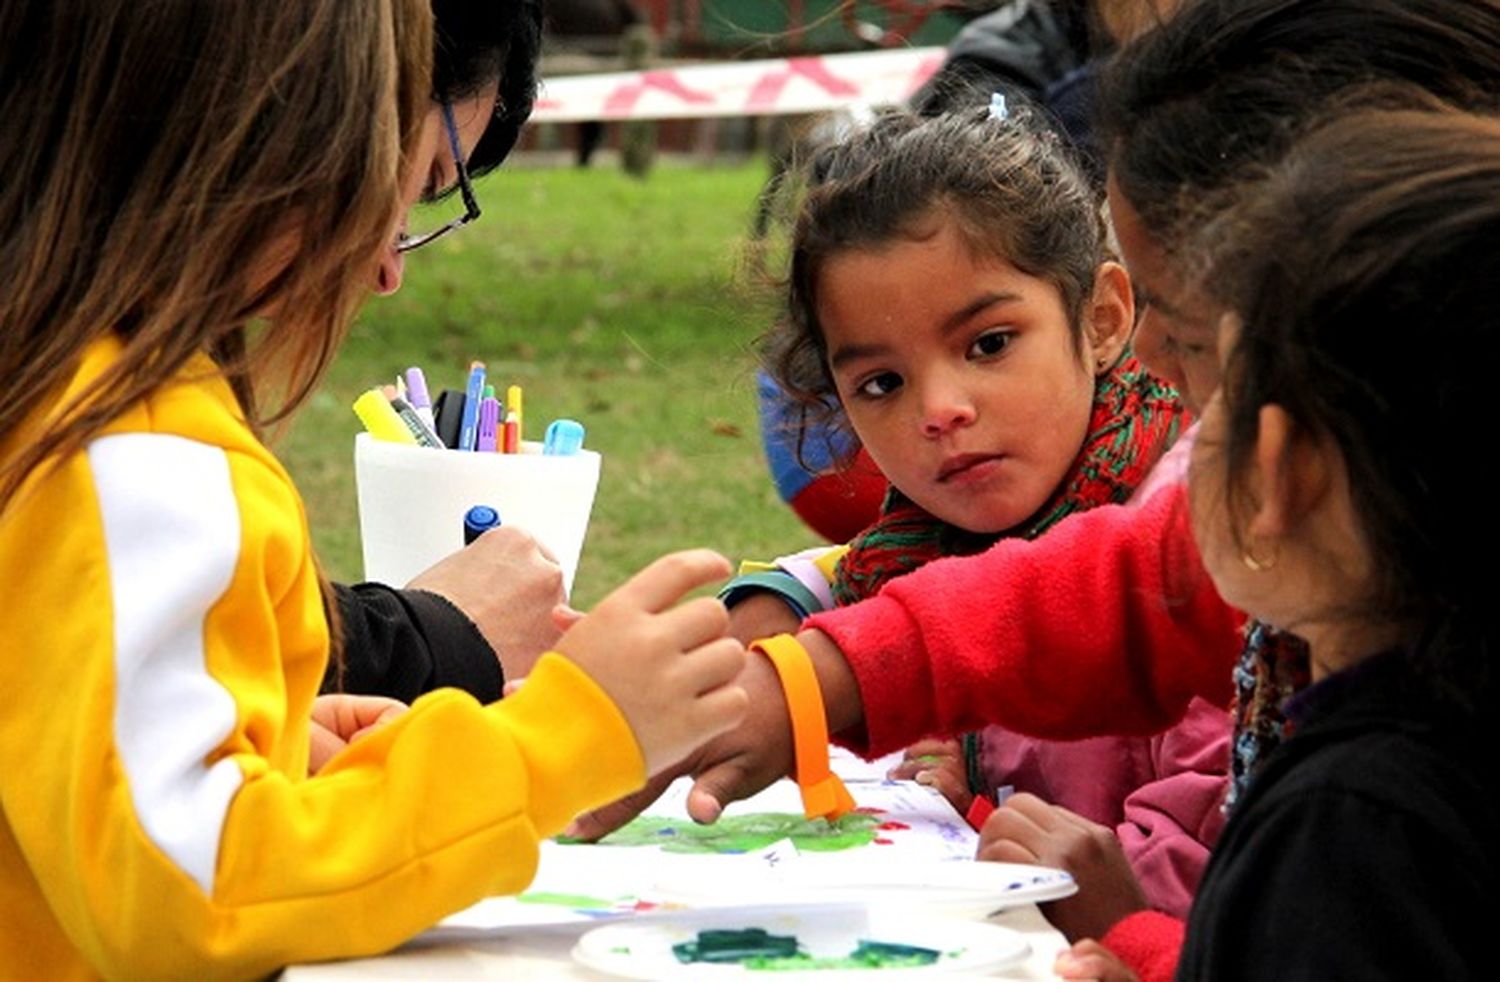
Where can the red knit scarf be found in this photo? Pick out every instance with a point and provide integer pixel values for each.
(1135, 418)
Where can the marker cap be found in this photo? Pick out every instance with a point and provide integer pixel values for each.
(563, 437)
(478, 520)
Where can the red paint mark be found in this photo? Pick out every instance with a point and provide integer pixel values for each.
(892, 826)
(623, 99)
(925, 69)
(766, 91)
(883, 842)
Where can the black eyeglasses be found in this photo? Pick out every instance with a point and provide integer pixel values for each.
(406, 243)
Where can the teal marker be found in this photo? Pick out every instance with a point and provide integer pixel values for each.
(563, 437)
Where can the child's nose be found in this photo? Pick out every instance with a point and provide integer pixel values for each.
(945, 411)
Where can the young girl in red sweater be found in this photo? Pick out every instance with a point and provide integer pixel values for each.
(953, 310)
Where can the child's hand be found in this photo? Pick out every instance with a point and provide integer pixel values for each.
(339, 720)
(741, 761)
(669, 668)
(564, 617)
(1026, 829)
(938, 764)
(1091, 960)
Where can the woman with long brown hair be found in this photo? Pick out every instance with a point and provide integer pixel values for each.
(197, 195)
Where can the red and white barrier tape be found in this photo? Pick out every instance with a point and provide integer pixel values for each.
(742, 88)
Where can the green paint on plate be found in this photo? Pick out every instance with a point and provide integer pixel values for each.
(577, 901)
(747, 833)
(759, 951)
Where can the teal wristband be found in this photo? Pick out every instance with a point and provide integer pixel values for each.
(784, 586)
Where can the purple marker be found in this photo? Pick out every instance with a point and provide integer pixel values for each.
(489, 426)
(416, 394)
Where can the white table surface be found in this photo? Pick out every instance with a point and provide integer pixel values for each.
(545, 953)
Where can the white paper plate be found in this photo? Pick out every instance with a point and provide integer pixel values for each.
(644, 949)
(964, 889)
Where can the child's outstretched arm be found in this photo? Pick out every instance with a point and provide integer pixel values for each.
(1107, 624)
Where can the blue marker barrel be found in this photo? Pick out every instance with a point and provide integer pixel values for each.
(478, 520)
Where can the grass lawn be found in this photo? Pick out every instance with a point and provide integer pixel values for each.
(618, 302)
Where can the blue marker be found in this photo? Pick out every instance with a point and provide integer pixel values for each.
(468, 430)
(479, 520)
(563, 437)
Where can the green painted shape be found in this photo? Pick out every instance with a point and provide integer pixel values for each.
(577, 901)
(747, 833)
(759, 951)
(728, 946)
(883, 954)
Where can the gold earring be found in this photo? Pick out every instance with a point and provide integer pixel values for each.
(1254, 563)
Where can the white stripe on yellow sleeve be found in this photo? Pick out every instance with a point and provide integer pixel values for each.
(172, 533)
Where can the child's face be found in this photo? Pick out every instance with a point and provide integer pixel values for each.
(959, 375)
(1175, 335)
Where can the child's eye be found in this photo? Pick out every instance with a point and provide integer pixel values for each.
(879, 385)
(1184, 349)
(990, 343)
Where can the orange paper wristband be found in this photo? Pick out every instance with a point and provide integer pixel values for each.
(823, 794)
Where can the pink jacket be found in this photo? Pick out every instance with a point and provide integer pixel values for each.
(1161, 794)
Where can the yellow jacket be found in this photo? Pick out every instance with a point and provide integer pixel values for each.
(163, 641)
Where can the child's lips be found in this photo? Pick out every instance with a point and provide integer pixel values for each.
(962, 464)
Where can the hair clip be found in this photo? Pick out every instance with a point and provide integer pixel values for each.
(998, 109)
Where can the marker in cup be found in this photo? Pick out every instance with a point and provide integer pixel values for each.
(479, 520)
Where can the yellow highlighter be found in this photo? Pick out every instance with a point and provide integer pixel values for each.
(381, 420)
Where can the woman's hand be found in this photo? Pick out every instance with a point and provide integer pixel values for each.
(508, 584)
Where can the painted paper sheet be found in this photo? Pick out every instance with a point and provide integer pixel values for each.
(760, 849)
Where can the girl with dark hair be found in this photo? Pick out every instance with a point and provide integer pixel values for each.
(1329, 495)
(166, 623)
